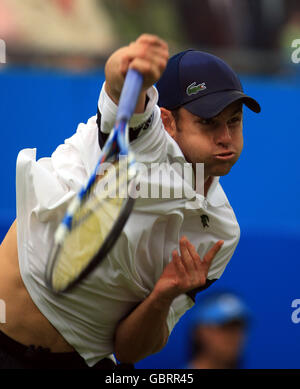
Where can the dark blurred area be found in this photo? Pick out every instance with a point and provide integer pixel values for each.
(217, 331)
(254, 36)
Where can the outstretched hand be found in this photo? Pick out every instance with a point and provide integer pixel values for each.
(186, 271)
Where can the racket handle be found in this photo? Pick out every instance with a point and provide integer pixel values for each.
(129, 95)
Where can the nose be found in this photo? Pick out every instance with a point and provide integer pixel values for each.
(223, 136)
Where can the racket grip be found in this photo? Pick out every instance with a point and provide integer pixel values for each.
(129, 95)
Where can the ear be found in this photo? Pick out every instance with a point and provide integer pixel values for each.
(168, 121)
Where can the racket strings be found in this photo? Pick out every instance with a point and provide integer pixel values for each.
(111, 184)
(92, 224)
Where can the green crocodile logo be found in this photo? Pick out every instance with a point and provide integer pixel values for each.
(193, 89)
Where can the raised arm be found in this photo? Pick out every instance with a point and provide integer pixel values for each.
(144, 331)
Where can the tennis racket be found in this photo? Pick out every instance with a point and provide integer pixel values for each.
(97, 215)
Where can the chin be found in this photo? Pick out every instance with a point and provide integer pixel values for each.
(220, 171)
(224, 173)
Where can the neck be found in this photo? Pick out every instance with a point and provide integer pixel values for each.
(207, 183)
(207, 180)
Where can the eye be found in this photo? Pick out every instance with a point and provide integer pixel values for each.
(235, 120)
(206, 122)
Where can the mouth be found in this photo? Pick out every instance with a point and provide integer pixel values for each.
(225, 156)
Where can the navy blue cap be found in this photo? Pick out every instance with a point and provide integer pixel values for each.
(220, 309)
(202, 83)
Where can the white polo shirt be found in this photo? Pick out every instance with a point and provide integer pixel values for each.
(88, 315)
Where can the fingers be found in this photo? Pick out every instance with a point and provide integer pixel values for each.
(153, 54)
(178, 263)
(186, 270)
(186, 255)
(209, 256)
(192, 251)
(189, 259)
(190, 256)
(148, 69)
(153, 40)
(145, 51)
(148, 55)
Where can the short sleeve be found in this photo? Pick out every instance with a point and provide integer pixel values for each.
(180, 305)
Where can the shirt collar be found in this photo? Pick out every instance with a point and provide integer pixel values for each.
(215, 195)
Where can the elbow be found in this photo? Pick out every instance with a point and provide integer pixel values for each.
(132, 355)
(126, 356)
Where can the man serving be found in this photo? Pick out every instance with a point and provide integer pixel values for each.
(168, 250)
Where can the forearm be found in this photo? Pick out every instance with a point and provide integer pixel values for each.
(144, 331)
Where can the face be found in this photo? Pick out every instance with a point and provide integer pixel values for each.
(224, 343)
(216, 142)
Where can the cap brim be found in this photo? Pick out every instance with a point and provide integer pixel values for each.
(223, 319)
(211, 105)
(221, 315)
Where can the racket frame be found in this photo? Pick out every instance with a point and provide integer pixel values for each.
(118, 136)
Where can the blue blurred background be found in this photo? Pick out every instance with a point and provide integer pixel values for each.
(46, 94)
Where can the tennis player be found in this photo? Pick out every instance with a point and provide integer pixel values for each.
(169, 249)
